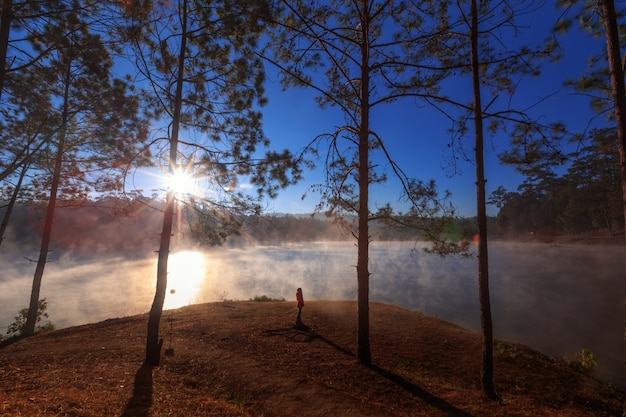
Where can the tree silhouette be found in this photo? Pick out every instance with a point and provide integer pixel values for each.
(477, 42)
(96, 128)
(203, 80)
(355, 55)
(601, 19)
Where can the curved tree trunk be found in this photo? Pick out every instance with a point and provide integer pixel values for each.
(153, 343)
(31, 319)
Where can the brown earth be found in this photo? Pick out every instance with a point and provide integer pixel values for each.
(247, 359)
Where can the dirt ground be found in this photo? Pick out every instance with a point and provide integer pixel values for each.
(245, 358)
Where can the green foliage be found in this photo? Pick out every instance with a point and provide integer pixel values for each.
(506, 350)
(584, 361)
(209, 225)
(218, 91)
(91, 117)
(359, 57)
(585, 198)
(265, 298)
(16, 329)
(594, 81)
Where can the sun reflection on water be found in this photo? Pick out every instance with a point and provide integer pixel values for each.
(187, 271)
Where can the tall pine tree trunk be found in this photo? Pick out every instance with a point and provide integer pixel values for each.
(619, 99)
(364, 354)
(483, 262)
(31, 319)
(5, 30)
(153, 343)
(617, 84)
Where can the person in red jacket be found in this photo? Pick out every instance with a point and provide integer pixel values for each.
(300, 304)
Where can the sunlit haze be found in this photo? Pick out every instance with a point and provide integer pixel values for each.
(555, 299)
(187, 272)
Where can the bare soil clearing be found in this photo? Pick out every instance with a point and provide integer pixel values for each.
(246, 358)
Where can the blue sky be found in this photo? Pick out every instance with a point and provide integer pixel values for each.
(417, 137)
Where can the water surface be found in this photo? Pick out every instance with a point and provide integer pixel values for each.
(557, 299)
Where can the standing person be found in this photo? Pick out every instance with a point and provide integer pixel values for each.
(300, 304)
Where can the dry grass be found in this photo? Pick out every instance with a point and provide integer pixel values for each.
(246, 359)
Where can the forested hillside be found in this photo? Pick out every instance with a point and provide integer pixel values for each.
(579, 193)
(132, 227)
(555, 206)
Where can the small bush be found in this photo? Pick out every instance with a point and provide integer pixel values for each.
(584, 361)
(263, 298)
(16, 329)
(226, 302)
(506, 350)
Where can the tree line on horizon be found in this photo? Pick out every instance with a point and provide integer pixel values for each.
(125, 227)
(586, 198)
(120, 227)
(90, 91)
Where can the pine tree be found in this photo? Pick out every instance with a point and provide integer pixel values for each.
(205, 81)
(477, 43)
(358, 56)
(96, 127)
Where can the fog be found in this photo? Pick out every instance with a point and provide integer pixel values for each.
(557, 299)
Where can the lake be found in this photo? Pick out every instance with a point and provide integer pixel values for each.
(556, 299)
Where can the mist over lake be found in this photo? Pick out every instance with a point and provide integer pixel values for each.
(556, 299)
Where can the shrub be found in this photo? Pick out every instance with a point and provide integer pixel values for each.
(16, 329)
(262, 298)
(584, 361)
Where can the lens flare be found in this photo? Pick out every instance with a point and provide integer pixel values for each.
(181, 182)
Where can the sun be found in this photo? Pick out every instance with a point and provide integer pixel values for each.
(181, 182)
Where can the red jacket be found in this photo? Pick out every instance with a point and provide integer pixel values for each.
(299, 299)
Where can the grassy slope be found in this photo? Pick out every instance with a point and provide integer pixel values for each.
(246, 359)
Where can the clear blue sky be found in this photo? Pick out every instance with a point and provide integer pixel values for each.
(417, 137)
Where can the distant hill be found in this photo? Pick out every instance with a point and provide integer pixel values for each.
(132, 228)
(94, 228)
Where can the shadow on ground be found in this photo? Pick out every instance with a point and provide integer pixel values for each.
(139, 404)
(305, 334)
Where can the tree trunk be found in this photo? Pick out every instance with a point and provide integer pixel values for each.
(5, 30)
(483, 263)
(153, 343)
(364, 354)
(619, 98)
(7, 213)
(617, 84)
(31, 319)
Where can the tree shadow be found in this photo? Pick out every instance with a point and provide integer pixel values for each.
(418, 392)
(334, 345)
(139, 404)
(403, 383)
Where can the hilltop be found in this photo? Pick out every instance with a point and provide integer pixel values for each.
(244, 358)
